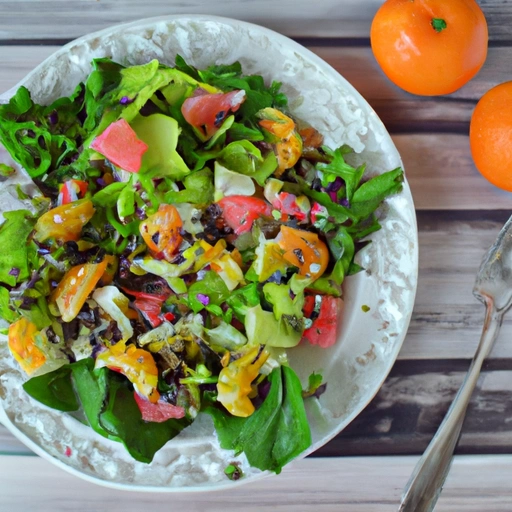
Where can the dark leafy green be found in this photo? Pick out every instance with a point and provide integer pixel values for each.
(107, 401)
(54, 389)
(368, 197)
(230, 77)
(276, 432)
(338, 167)
(122, 419)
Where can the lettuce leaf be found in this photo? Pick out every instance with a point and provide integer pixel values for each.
(16, 250)
(199, 189)
(38, 137)
(242, 299)
(213, 286)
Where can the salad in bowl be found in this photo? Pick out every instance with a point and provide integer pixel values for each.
(188, 233)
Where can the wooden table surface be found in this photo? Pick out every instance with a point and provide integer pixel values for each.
(459, 215)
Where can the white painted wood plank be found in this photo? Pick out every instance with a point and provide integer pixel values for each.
(9, 445)
(36, 19)
(442, 174)
(47, 19)
(364, 484)
(447, 319)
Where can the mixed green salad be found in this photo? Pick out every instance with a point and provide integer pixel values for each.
(189, 232)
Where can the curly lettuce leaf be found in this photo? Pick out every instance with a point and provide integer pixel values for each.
(38, 137)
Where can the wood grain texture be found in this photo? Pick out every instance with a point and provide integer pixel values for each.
(10, 445)
(362, 484)
(67, 19)
(447, 319)
(405, 414)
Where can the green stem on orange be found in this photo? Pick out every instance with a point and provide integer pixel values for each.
(438, 24)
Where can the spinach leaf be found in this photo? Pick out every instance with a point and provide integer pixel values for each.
(295, 435)
(54, 389)
(369, 195)
(276, 432)
(107, 402)
(260, 431)
(91, 387)
(122, 419)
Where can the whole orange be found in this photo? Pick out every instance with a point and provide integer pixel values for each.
(490, 135)
(429, 47)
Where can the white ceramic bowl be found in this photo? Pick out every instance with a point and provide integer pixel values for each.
(369, 342)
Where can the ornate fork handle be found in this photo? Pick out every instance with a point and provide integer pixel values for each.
(426, 482)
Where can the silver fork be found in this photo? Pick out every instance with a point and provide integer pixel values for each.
(493, 287)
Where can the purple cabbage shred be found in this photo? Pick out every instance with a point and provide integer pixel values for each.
(53, 118)
(15, 271)
(276, 277)
(335, 185)
(203, 299)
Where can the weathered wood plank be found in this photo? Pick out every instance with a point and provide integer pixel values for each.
(58, 19)
(447, 319)
(326, 485)
(411, 404)
(10, 445)
(443, 176)
(50, 19)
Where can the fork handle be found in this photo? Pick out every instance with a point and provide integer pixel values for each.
(426, 482)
